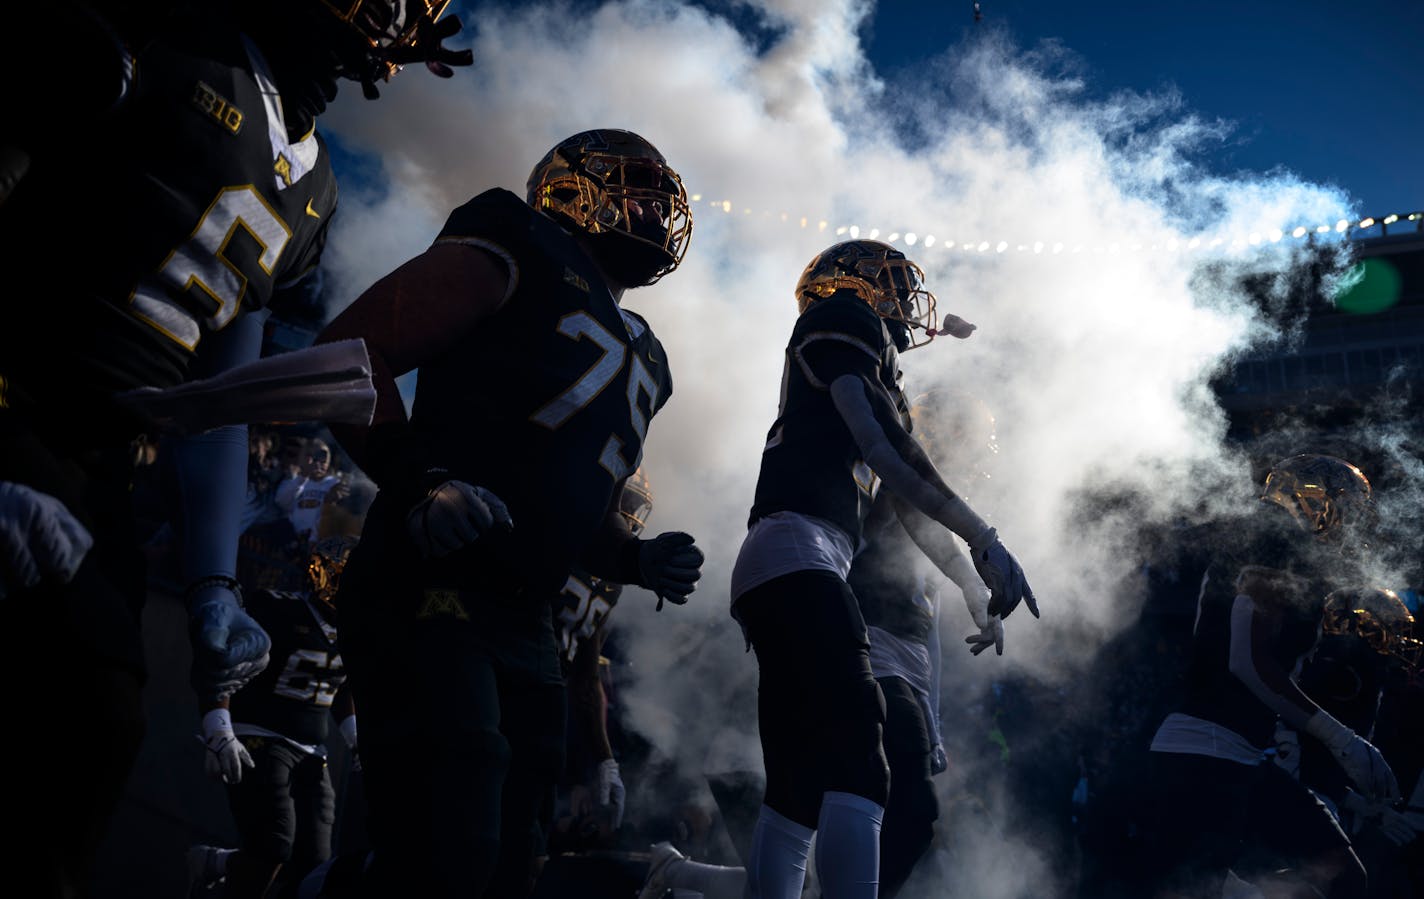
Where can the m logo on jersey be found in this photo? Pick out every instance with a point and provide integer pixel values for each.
(442, 603)
(217, 107)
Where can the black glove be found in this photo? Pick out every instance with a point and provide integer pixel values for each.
(670, 565)
(426, 47)
(1003, 576)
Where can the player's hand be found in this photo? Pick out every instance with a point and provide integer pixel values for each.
(990, 634)
(229, 647)
(1396, 827)
(1363, 763)
(670, 564)
(1003, 575)
(226, 755)
(39, 539)
(611, 792)
(939, 760)
(454, 515)
(976, 600)
(426, 47)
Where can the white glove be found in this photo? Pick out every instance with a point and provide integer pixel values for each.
(1395, 826)
(226, 755)
(1363, 763)
(611, 790)
(454, 515)
(1002, 574)
(39, 538)
(991, 627)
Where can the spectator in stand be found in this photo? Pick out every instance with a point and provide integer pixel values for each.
(302, 496)
(263, 474)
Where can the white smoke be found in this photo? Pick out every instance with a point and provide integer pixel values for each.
(1070, 230)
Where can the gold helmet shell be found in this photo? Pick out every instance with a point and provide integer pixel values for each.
(1376, 615)
(325, 564)
(1324, 494)
(614, 182)
(880, 275)
(635, 504)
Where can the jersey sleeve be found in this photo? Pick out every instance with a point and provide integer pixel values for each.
(497, 222)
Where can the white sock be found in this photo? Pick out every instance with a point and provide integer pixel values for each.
(712, 881)
(848, 846)
(219, 859)
(777, 866)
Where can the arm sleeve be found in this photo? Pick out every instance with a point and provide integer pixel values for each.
(211, 467)
(1252, 627)
(894, 455)
(415, 314)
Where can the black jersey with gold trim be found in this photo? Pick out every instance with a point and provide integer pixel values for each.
(546, 402)
(581, 608)
(184, 208)
(810, 461)
(293, 695)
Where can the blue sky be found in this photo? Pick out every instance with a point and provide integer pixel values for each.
(1331, 91)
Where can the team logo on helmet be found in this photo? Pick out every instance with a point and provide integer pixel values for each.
(611, 182)
(881, 276)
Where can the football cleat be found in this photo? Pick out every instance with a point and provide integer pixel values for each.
(661, 859)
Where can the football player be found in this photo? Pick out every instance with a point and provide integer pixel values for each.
(174, 182)
(1222, 806)
(534, 396)
(820, 710)
(277, 727)
(593, 778)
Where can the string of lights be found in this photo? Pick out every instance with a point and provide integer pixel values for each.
(1346, 228)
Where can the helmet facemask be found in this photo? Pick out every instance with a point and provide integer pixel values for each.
(880, 275)
(615, 187)
(382, 34)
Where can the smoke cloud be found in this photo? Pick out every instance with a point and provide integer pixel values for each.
(1073, 231)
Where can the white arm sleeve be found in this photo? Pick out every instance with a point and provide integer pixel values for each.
(930, 496)
(1243, 664)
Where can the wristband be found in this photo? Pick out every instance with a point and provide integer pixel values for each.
(212, 580)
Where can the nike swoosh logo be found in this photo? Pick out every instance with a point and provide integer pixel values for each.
(312, 212)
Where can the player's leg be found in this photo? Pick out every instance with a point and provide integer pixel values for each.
(432, 757)
(1289, 829)
(316, 818)
(265, 813)
(819, 711)
(912, 807)
(532, 720)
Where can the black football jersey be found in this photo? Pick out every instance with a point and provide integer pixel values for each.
(293, 694)
(123, 251)
(810, 461)
(1266, 538)
(545, 403)
(581, 608)
(885, 579)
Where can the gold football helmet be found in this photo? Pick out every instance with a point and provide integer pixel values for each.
(324, 566)
(879, 274)
(1379, 617)
(636, 502)
(1324, 494)
(612, 183)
